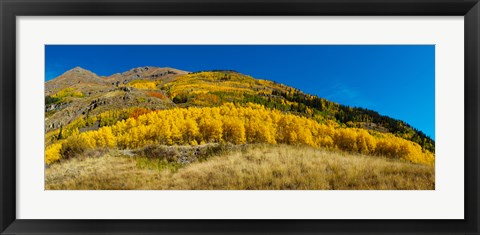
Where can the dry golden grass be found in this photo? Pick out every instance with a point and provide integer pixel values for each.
(105, 172)
(264, 167)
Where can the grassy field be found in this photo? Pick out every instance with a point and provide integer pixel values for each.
(263, 167)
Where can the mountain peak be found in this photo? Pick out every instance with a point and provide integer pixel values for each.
(75, 75)
(78, 69)
(151, 71)
(141, 69)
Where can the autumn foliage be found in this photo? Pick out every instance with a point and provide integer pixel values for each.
(237, 124)
(143, 85)
(157, 95)
(67, 92)
(52, 153)
(137, 112)
(212, 88)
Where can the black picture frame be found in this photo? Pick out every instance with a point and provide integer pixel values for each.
(470, 9)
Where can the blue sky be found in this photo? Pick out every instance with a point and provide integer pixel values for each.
(395, 80)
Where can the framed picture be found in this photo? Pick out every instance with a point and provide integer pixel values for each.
(239, 117)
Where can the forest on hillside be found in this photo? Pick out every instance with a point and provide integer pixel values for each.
(168, 123)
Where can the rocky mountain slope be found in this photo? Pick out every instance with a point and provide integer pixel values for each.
(96, 94)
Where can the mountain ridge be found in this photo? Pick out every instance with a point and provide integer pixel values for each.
(78, 76)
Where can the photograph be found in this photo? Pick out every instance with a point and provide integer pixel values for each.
(239, 117)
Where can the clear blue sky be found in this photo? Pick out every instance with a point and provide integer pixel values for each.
(395, 80)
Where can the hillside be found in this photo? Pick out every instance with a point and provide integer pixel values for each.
(185, 89)
(217, 87)
(134, 112)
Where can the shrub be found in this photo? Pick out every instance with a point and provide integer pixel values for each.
(142, 85)
(73, 146)
(157, 95)
(52, 153)
(67, 92)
